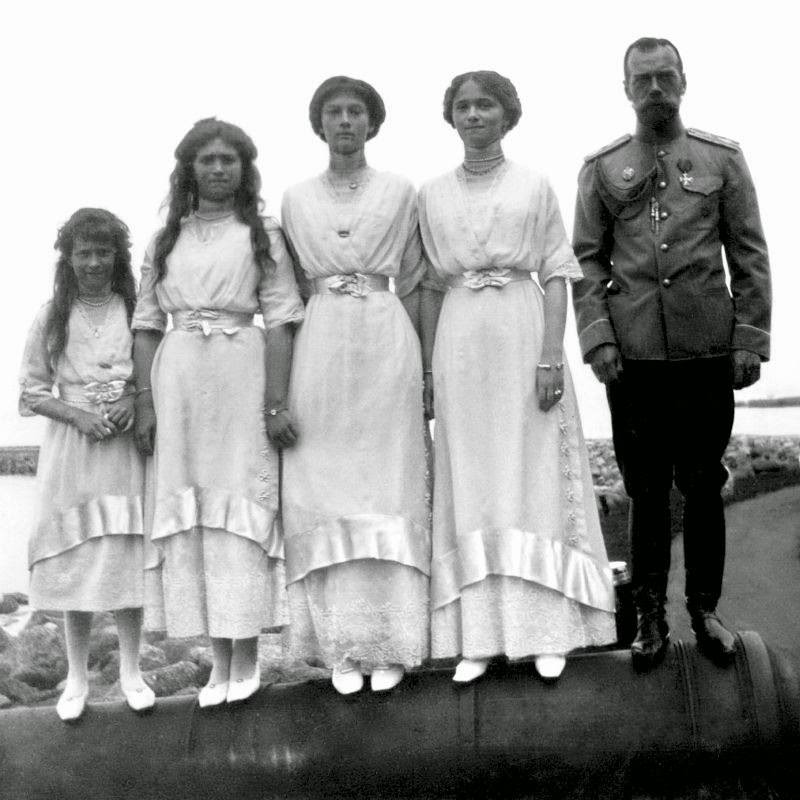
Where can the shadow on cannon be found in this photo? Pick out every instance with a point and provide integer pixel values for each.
(601, 731)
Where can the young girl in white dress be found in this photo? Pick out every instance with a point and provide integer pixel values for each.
(212, 401)
(85, 551)
(355, 510)
(519, 565)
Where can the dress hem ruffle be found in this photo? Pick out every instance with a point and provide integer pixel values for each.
(205, 507)
(516, 553)
(100, 516)
(359, 536)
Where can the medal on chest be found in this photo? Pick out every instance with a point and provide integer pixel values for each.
(685, 167)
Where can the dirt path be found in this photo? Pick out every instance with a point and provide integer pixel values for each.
(762, 575)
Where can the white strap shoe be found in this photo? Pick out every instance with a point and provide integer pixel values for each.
(347, 680)
(550, 666)
(243, 688)
(71, 708)
(213, 694)
(140, 698)
(470, 669)
(385, 678)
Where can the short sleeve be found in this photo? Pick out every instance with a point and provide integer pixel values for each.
(431, 279)
(36, 374)
(413, 264)
(557, 258)
(278, 295)
(149, 315)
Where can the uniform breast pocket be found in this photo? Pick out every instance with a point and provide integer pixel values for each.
(700, 200)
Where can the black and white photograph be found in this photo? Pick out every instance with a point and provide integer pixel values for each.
(401, 400)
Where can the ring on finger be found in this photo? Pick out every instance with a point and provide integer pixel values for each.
(558, 392)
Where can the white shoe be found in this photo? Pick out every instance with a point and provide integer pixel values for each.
(141, 698)
(243, 688)
(347, 680)
(470, 669)
(550, 666)
(385, 678)
(71, 708)
(213, 694)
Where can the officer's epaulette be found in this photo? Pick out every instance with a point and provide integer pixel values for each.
(713, 138)
(609, 147)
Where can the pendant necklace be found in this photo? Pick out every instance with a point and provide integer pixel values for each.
(96, 330)
(355, 180)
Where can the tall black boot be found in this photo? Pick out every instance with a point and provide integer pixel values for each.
(713, 638)
(652, 636)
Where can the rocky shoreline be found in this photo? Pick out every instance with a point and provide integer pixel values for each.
(33, 661)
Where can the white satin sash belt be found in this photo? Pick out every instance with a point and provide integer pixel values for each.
(497, 277)
(95, 392)
(209, 320)
(356, 284)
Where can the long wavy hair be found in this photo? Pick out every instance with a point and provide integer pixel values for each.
(98, 226)
(183, 197)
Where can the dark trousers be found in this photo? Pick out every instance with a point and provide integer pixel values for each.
(671, 421)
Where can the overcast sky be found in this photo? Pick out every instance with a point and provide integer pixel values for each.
(97, 94)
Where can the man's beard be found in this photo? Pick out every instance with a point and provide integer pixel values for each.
(657, 115)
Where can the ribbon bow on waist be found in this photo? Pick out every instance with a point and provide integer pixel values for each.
(354, 284)
(202, 318)
(492, 276)
(98, 392)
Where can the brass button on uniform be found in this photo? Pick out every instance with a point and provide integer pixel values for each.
(664, 247)
(664, 214)
(661, 153)
(667, 282)
(662, 184)
(344, 234)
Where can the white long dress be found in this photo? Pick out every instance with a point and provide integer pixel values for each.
(218, 563)
(519, 565)
(85, 551)
(355, 510)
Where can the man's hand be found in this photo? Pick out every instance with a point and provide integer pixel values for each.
(746, 368)
(606, 363)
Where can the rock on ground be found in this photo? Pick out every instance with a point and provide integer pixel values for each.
(8, 654)
(102, 642)
(8, 604)
(277, 666)
(42, 658)
(18, 691)
(180, 649)
(168, 680)
(202, 657)
(152, 657)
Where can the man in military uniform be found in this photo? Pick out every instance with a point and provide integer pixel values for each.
(666, 335)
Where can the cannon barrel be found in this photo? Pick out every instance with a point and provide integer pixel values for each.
(425, 739)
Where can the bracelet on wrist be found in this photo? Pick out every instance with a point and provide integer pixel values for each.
(143, 390)
(559, 365)
(275, 410)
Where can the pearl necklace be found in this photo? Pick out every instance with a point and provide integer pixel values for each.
(98, 303)
(213, 219)
(493, 161)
